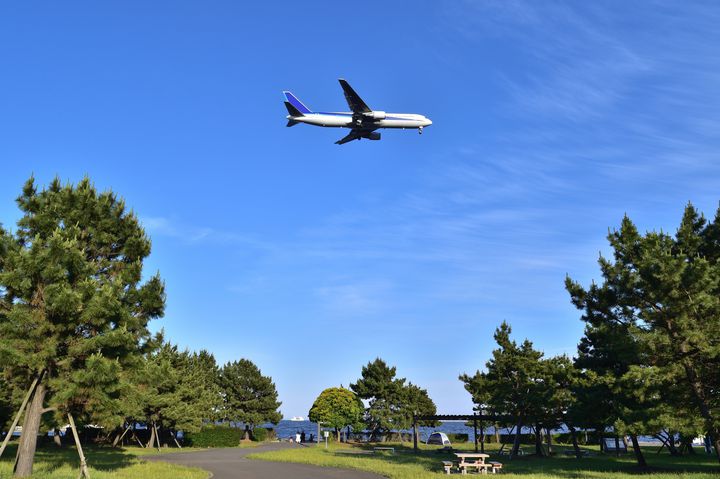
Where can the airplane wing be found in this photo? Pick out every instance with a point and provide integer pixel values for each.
(356, 104)
(353, 135)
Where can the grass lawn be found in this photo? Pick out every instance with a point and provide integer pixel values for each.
(105, 463)
(405, 464)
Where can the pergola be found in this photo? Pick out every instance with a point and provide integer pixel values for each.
(477, 419)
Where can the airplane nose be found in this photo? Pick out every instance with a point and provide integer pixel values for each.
(427, 122)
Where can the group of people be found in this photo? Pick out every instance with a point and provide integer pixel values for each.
(300, 437)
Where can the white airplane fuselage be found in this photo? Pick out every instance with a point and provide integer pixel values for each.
(381, 120)
(361, 120)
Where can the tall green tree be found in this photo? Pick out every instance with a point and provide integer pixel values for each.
(666, 290)
(6, 408)
(249, 397)
(337, 408)
(75, 310)
(607, 352)
(172, 392)
(512, 383)
(384, 393)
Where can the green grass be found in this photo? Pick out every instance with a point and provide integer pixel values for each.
(104, 463)
(406, 464)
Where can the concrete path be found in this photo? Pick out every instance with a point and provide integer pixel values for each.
(232, 464)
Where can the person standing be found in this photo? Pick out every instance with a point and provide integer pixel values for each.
(302, 436)
(297, 437)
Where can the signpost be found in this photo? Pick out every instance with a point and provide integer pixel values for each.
(326, 434)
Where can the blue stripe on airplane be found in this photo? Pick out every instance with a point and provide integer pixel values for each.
(350, 115)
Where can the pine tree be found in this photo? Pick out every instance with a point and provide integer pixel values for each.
(249, 397)
(75, 311)
(666, 291)
(172, 392)
(512, 384)
(384, 393)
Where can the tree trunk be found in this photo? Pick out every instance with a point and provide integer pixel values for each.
(686, 442)
(337, 434)
(119, 437)
(638, 452)
(516, 440)
(28, 395)
(28, 439)
(617, 446)
(671, 445)
(497, 433)
(538, 441)
(415, 436)
(56, 437)
(151, 442)
(549, 441)
(576, 447)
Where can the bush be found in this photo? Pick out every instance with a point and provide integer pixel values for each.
(259, 434)
(459, 438)
(215, 436)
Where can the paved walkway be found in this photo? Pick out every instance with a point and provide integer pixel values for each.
(231, 463)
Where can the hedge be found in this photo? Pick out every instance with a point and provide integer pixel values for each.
(459, 438)
(259, 434)
(215, 436)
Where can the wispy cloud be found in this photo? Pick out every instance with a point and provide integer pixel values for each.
(573, 64)
(162, 226)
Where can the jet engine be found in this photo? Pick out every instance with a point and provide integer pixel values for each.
(373, 135)
(376, 115)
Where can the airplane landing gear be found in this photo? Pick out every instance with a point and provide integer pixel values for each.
(420, 130)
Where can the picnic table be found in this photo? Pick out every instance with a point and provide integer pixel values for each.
(469, 460)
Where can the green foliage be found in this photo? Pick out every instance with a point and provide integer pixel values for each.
(337, 408)
(6, 409)
(73, 303)
(458, 437)
(391, 402)
(174, 390)
(259, 434)
(214, 436)
(249, 397)
(652, 341)
(513, 383)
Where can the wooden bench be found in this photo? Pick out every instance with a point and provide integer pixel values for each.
(448, 465)
(391, 450)
(496, 466)
(480, 466)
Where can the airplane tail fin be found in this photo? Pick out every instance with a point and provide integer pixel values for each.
(292, 110)
(297, 104)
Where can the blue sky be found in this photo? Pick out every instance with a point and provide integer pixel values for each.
(551, 121)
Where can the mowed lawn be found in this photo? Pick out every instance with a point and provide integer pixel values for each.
(105, 463)
(406, 464)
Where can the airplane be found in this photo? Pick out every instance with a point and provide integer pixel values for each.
(362, 120)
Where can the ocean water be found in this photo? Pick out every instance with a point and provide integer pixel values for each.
(287, 429)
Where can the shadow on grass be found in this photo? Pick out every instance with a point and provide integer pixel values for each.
(100, 458)
(559, 464)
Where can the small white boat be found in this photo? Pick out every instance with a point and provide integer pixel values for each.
(297, 418)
